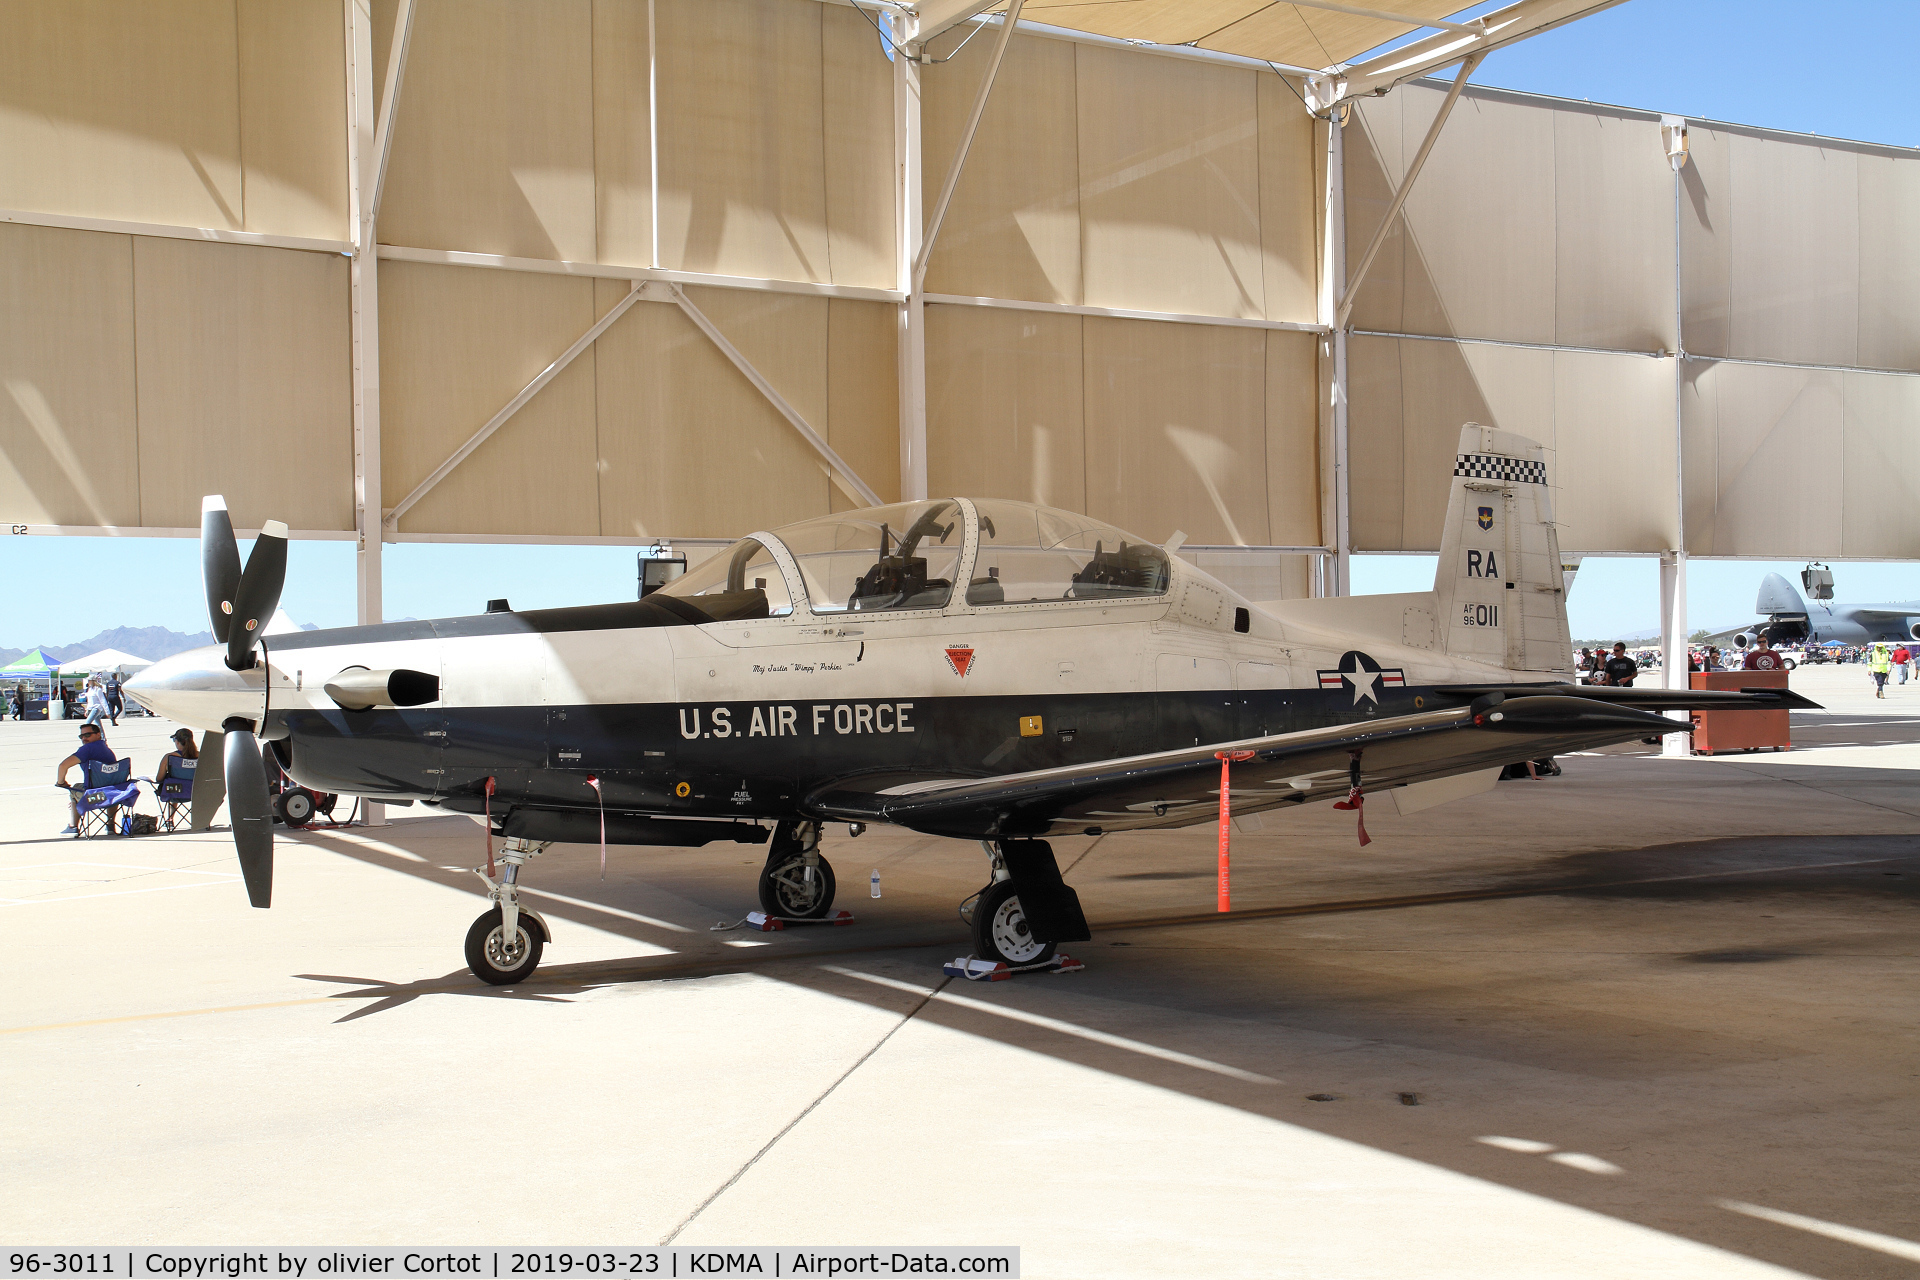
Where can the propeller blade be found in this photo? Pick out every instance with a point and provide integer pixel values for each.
(252, 812)
(209, 781)
(219, 564)
(259, 593)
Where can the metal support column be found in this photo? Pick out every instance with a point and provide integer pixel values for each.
(1340, 572)
(1673, 641)
(1673, 565)
(912, 333)
(366, 164)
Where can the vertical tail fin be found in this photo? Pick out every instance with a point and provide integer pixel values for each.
(1499, 593)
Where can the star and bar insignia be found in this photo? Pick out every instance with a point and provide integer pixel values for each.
(1364, 675)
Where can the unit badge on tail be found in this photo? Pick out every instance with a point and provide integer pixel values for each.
(1486, 517)
(1365, 676)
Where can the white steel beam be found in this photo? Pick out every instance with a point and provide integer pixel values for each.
(954, 169)
(1337, 577)
(608, 271)
(911, 333)
(1122, 313)
(845, 476)
(512, 406)
(363, 161)
(389, 103)
(167, 231)
(1359, 273)
(1327, 89)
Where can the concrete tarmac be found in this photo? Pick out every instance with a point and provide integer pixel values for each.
(1655, 1017)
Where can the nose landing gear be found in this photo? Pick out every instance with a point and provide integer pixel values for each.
(504, 944)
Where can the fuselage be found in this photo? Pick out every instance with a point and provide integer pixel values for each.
(745, 717)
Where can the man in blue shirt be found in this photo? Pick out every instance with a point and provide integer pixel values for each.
(93, 747)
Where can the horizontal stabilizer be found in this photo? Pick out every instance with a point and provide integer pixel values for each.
(1648, 699)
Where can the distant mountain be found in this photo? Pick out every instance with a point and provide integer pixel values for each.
(151, 643)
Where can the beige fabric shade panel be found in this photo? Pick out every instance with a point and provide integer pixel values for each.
(1296, 35)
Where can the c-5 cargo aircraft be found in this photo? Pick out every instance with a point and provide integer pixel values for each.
(1790, 619)
(983, 669)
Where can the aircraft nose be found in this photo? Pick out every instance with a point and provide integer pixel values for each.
(198, 689)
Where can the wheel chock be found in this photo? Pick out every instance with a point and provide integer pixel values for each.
(974, 969)
(761, 922)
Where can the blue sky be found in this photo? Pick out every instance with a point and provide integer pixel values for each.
(1838, 68)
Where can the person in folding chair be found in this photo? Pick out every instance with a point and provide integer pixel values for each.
(107, 785)
(173, 781)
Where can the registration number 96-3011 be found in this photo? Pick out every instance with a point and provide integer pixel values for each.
(1480, 615)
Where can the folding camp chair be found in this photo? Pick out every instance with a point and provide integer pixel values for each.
(175, 794)
(108, 788)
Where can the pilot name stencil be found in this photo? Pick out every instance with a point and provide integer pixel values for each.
(780, 720)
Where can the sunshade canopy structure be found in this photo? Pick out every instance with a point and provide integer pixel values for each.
(105, 660)
(1314, 37)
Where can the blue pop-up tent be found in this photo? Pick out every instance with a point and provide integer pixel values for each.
(34, 664)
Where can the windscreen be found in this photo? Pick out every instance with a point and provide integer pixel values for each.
(744, 581)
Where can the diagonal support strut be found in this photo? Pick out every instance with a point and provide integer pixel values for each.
(1400, 196)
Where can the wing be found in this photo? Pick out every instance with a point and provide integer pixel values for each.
(1178, 788)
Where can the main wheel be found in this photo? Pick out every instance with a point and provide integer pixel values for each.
(294, 806)
(1000, 929)
(493, 959)
(787, 889)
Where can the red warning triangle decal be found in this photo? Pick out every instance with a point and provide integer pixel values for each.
(960, 659)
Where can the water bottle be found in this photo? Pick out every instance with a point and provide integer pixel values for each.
(873, 885)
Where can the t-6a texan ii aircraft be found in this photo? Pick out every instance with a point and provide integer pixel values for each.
(983, 669)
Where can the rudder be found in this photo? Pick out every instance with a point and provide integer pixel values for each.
(1500, 597)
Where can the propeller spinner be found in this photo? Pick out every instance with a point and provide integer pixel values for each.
(239, 603)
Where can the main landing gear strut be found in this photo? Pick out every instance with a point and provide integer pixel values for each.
(1026, 911)
(504, 944)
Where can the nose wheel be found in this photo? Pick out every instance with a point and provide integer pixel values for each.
(504, 944)
(797, 883)
(497, 959)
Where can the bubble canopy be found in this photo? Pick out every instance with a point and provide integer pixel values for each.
(907, 558)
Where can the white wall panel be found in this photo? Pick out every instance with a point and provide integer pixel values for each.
(1169, 161)
(742, 158)
(68, 449)
(1794, 254)
(1765, 459)
(243, 383)
(688, 447)
(1006, 405)
(1889, 261)
(1481, 261)
(1013, 229)
(493, 147)
(457, 343)
(1882, 486)
(1177, 429)
(127, 111)
(1613, 233)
